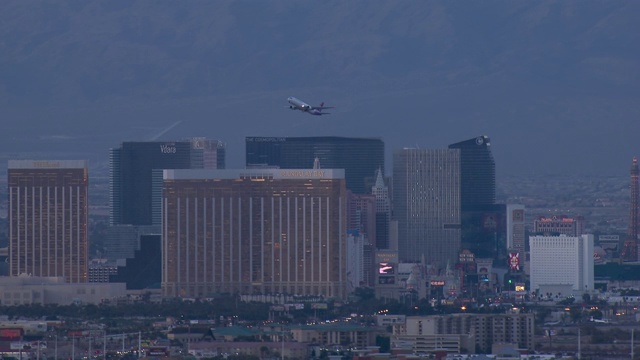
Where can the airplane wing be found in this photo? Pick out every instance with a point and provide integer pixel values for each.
(322, 107)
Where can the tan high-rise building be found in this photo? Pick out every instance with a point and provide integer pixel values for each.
(48, 218)
(254, 231)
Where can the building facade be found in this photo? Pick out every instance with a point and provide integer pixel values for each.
(562, 261)
(481, 331)
(558, 225)
(254, 231)
(36, 290)
(359, 157)
(516, 228)
(426, 196)
(477, 173)
(482, 222)
(383, 211)
(136, 174)
(48, 203)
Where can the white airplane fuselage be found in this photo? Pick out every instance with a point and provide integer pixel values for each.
(297, 104)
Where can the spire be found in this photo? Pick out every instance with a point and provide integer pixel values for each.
(316, 163)
(379, 178)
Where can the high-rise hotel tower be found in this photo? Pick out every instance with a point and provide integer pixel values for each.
(426, 195)
(254, 231)
(359, 157)
(48, 218)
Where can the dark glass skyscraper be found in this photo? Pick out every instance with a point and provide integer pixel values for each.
(359, 157)
(132, 174)
(477, 173)
(136, 174)
(483, 222)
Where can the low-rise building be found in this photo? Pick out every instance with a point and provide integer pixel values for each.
(335, 335)
(27, 290)
(470, 333)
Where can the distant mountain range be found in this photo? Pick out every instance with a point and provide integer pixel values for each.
(555, 84)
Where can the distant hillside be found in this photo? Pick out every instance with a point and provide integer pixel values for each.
(554, 83)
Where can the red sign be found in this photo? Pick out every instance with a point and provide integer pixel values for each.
(9, 334)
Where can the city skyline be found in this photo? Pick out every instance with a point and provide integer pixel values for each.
(555, 84)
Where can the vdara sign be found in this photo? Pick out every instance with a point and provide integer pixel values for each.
(168, 149)
(302, 173)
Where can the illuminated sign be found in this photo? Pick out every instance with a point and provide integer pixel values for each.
(168, 149)
(302, 173)
(10, 333)
(386, 268)
(437, 283)
(520, 287)
(514, 261)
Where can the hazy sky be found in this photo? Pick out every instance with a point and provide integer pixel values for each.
(555, 84)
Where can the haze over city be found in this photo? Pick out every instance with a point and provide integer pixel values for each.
(553, 83)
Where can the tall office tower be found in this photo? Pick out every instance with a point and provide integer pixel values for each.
(479, 216)
(516, 228)
(260, 231)
(361, 215)
(630, 249)
(477, 173)
(136, 175)
(559, 224)
(355, 256)
(562, 263)
(48, 218)
(383, 211)
(359, 157)
(426, 196)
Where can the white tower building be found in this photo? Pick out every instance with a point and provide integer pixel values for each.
(561, 264)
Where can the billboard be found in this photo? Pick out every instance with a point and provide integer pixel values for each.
(386, 280)
(386, 268)
(514, 261)
(10, 334)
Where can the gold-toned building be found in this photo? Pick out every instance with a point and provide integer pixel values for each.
(48, 218)
(254, 231)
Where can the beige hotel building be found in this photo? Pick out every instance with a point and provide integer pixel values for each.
(254, 231)
(48, 202)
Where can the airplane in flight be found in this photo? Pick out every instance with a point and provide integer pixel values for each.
(297, 104)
